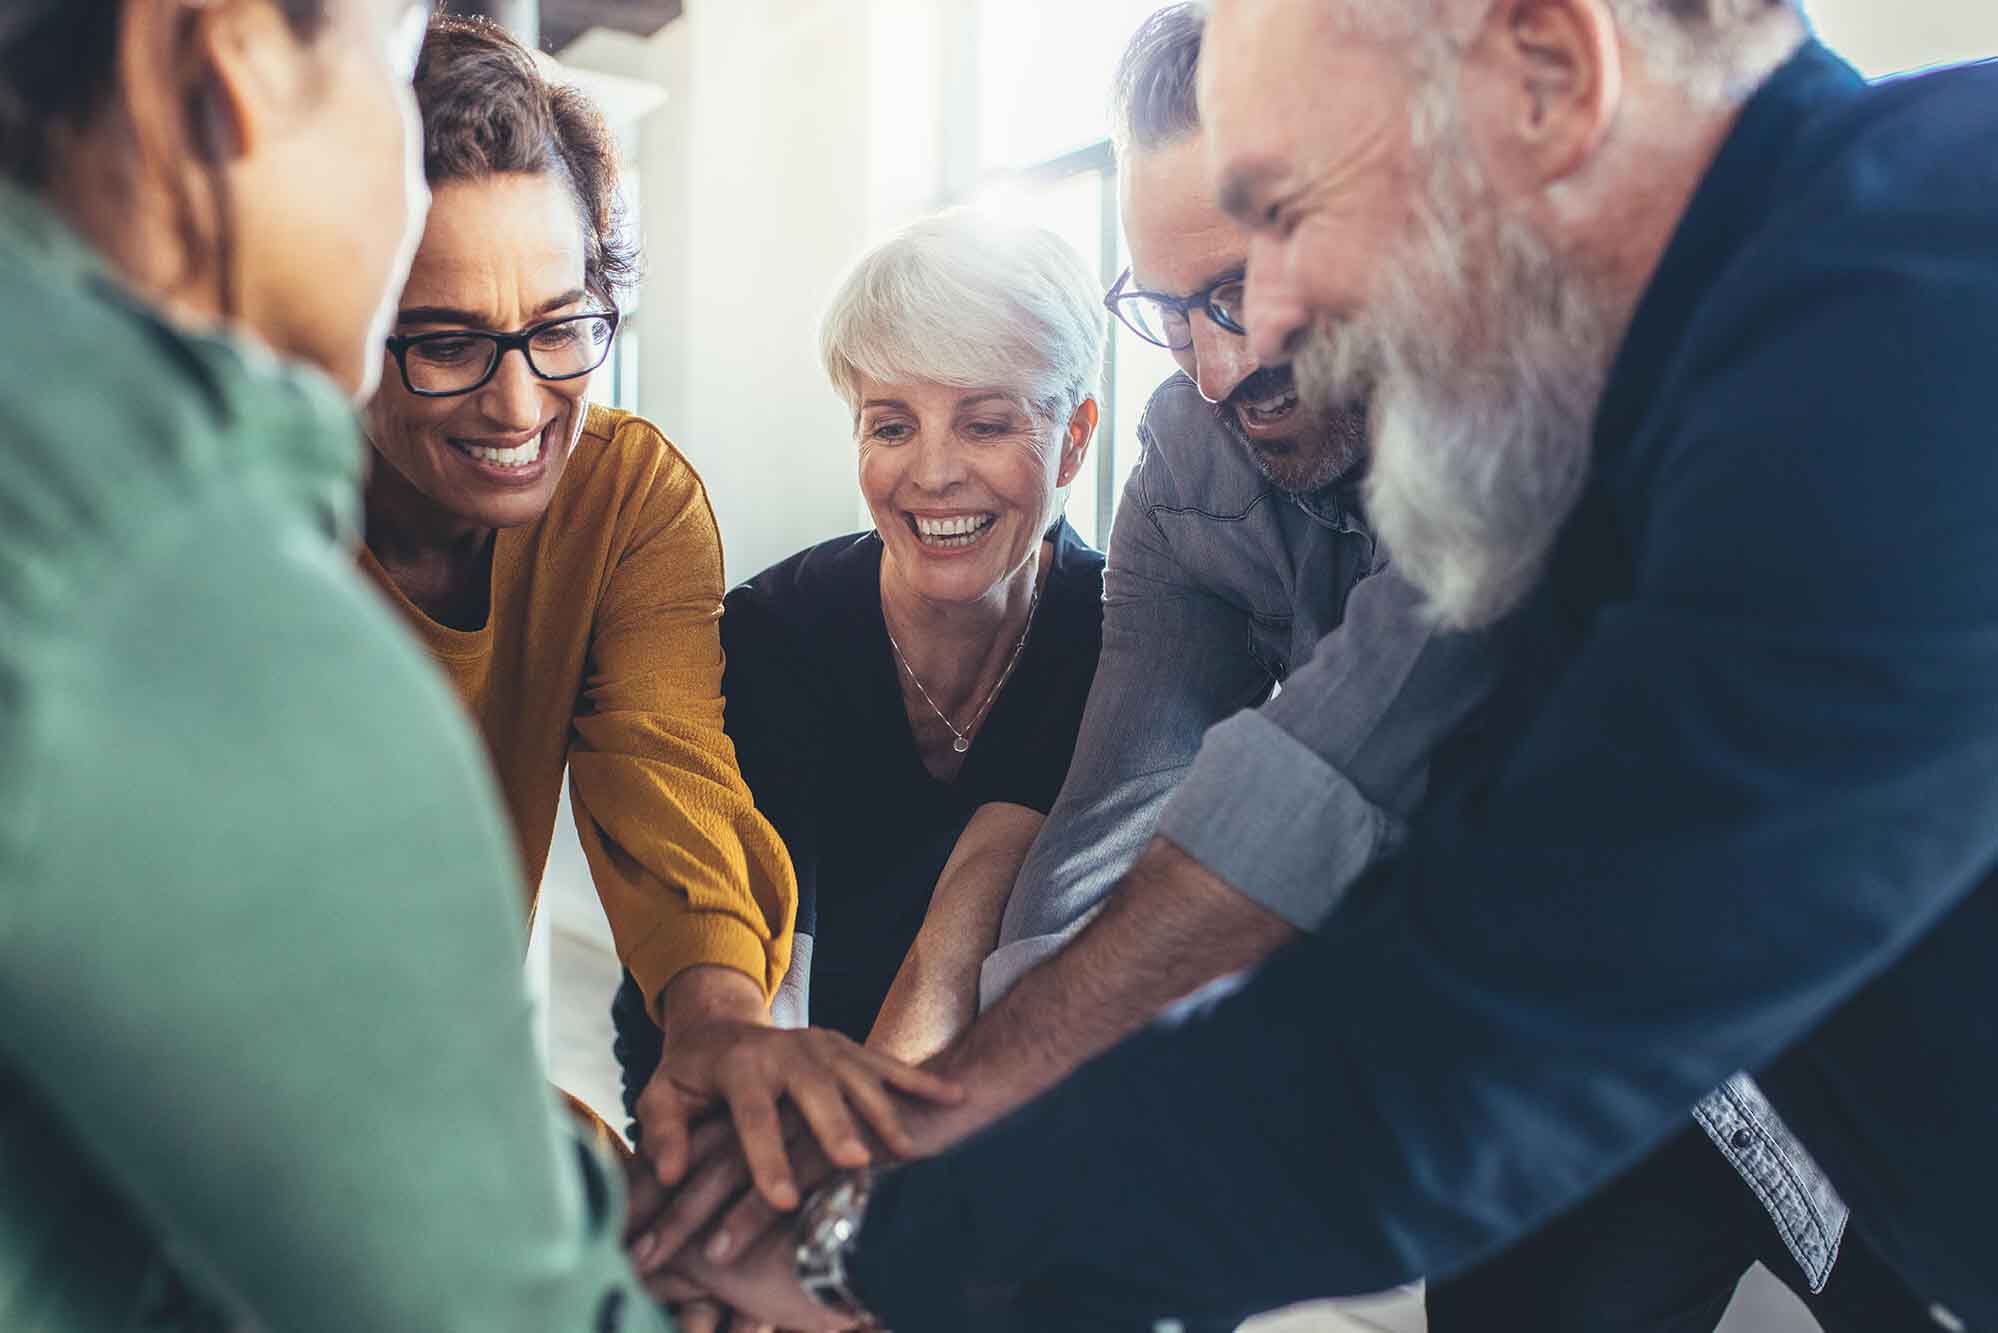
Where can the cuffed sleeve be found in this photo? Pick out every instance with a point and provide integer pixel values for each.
(1170, 667)
(688, 871)
(1277, 822)
(1292, 803)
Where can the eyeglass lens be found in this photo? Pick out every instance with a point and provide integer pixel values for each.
(1162, 322)
(450, 363)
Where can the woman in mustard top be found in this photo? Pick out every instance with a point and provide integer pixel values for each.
(562, 565)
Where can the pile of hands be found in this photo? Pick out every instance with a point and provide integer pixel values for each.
(739, 1125)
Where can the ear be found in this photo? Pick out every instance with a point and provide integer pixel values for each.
(257, 73)
(1075, 442)
(1548, 77)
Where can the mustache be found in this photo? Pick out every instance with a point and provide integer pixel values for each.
(1266, 383)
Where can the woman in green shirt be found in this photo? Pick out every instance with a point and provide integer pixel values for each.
(265, 1053)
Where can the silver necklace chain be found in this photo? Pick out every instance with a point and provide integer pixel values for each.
(963, 738)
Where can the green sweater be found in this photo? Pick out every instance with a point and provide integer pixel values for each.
(264, 1043)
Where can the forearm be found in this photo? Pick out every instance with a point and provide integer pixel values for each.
(935, 994)
(1169, 928)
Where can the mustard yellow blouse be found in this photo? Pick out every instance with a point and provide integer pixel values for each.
(602, 651)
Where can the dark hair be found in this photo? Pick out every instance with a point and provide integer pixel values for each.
(1153, 102)
(487, 111)
(59, 72)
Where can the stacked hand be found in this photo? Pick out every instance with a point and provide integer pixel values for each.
(739, 1122)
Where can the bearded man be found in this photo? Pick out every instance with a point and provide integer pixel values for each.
(1665, 320)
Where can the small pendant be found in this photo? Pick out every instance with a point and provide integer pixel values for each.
(961, 744)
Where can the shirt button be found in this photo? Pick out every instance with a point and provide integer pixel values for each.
(1743, 1140)
(1944, 1317)
(610, 1315)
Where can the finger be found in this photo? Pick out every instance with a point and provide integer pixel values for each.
(673, 1289)
(747, 1222)
(761, 1135)
(877, 1108)
(665, 1118)
(821, 1100)
(699, 1317)
(711, 1188)
(644, 1198)
(907, 1078)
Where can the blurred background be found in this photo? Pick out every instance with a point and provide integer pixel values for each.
(768, 142)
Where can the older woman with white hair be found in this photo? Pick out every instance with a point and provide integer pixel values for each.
(904, 701)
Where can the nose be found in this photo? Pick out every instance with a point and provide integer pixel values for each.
(512, 398)
(937, 463)
(1276, 316)
(1221, 360)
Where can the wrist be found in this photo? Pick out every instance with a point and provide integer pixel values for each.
(706, 995)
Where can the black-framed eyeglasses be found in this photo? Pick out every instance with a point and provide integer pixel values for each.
(459, 361)
(1166, 321)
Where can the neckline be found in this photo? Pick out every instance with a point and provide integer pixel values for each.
(446, 640)
(887, 671)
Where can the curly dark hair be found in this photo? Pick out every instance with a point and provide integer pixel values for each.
(488, 110)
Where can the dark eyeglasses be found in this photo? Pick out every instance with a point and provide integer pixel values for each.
(459, 361)
(1166, 321)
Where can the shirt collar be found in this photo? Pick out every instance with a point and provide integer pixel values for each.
(1736, 192)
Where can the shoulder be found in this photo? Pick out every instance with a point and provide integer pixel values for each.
(1835, 387)
(1189, 458)
(626, 476)
(1075, 579)
(822, 585)
(161, 420)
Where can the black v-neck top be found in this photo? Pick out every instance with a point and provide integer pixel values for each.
(814, 707)
(815, 710)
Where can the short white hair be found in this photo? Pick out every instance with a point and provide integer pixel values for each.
(973, 301)
(1719, 51)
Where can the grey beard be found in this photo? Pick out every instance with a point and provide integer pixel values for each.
(1481, 412)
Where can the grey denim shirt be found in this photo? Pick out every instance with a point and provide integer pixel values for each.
(1268, 697)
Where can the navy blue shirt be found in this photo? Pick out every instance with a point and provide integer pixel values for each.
(1741, 812)
(814, 707)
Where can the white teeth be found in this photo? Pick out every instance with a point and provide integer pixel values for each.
(1275, 407)
(952, 531)
(518, 456)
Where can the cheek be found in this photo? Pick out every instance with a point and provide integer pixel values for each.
(1023, 475)
(880, 472)
(401, 424)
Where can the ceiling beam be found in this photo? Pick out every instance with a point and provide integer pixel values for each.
(563, 21)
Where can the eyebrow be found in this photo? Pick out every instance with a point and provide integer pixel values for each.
(444, 314)
(897, 405)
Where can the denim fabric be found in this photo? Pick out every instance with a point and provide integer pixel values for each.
(1269, 696)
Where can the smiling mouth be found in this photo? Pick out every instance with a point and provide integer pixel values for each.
(518, 456)
(1264, 413)
(951, 533)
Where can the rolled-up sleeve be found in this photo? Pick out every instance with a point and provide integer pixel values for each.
(689, 872)
(1160, 683)
(1294, 801)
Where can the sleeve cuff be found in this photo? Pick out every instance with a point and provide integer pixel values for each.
(701, 939)
(1278, 823)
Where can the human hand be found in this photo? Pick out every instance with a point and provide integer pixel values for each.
(752, 1068)
(661, 1222)
(760, 1293)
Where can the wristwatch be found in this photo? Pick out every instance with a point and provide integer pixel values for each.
(828, 1233)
